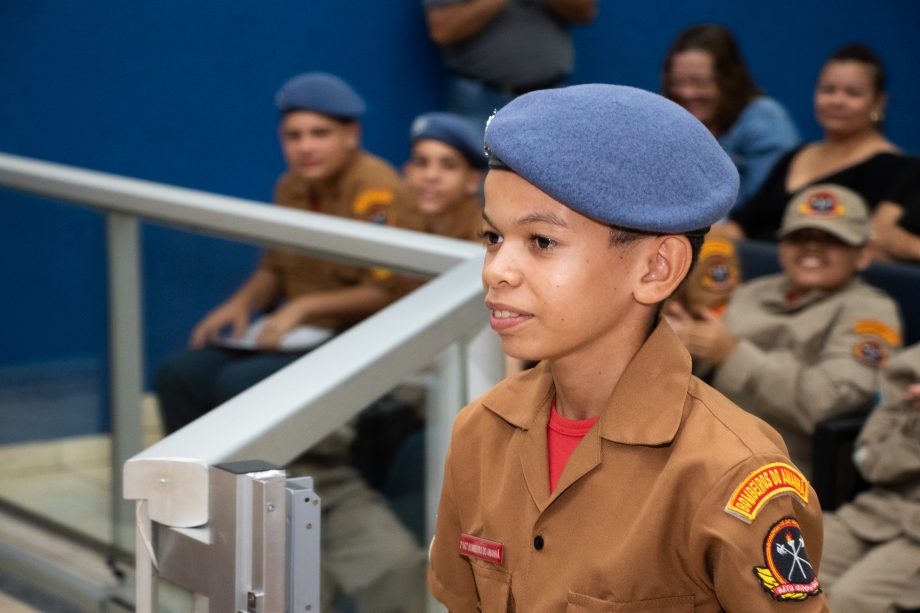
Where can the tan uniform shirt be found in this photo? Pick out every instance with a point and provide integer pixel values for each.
(801, 361)
(888, 455)
(639, 520)
(368, 189)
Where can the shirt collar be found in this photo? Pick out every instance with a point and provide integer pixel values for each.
(645, 408)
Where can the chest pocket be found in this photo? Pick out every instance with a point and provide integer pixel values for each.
(493, 586)
(579, 603)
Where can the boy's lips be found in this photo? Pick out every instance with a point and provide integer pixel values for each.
(505, 316)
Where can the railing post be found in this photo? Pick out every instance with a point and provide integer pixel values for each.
(125, 360)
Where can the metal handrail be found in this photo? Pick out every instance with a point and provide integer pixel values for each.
(285, 414)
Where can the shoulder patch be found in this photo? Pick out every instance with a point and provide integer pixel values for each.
(787, 574)
(374, 205)
(876, 338)
(764, 484)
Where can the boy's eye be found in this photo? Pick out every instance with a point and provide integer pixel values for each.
(489, 238)
(542, 242)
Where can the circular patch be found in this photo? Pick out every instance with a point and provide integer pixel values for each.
(821, 204)
(870, 353)
(787, 574)
(719, 274)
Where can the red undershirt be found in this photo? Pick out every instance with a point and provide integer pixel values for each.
(562, 436)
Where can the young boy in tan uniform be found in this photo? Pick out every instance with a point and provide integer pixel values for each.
(804, 345)
(872, 545)
(608, 478)
(444, 174)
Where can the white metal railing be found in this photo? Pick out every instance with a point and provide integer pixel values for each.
(285, 414)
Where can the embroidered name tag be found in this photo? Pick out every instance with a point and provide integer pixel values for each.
(475, 547)
(764, 484)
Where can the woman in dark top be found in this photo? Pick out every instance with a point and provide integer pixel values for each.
(849, 101)
(896, 222)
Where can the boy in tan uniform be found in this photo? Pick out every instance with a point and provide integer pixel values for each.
(608, 478)
(329, 173)
(872, 545)
(444, 174)
(368, 556)
(804, 345)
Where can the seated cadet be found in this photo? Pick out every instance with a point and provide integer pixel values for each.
(328, 172)
(710, 284)
(369, 558)
(872, 545)
(806, 344)
(608, 478)
(444, 173)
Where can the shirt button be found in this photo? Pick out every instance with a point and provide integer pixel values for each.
(538, 542)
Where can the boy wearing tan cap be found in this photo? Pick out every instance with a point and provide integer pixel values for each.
(804, 345)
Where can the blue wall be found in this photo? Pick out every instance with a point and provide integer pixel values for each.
(182, 93)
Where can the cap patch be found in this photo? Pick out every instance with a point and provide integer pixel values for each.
(373, 205)
(787, 573)
(822, 204)
(764, 484)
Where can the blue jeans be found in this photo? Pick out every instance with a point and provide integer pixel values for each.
(473, 100)
(193, 381)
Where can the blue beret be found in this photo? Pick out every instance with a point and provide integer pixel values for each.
(620, 155)
(321, 93)
(452, 130)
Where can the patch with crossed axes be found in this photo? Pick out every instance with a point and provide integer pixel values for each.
(788, 574)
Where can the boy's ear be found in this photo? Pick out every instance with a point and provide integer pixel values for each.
(667, 264)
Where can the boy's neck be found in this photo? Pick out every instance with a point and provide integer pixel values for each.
(585, 381)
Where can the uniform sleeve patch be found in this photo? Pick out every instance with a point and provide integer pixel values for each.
(764, 484)
(374, 205)
(786, 574)
(871, 327)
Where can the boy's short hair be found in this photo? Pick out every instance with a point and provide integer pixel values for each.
(829, 207)
(323, 93)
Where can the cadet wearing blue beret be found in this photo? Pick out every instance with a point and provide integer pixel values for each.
(608, 477)
(444, 174)
(328, 172)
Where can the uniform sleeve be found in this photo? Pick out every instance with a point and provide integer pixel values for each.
(888, 448)
(385, 202)
(450, 577)
(761, 534)
(843, 376)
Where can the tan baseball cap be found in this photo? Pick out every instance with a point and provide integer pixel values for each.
(832, 208)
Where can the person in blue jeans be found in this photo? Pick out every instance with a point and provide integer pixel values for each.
(495, 50)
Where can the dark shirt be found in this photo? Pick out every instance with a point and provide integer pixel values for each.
(906, 193)
(873, 179)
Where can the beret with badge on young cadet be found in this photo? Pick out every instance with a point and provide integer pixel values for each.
(451, 130)
(620, 155)
(322, 93)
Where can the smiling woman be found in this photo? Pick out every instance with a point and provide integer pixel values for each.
(849, 101)
(705, 73)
